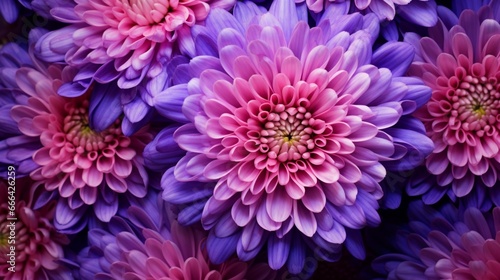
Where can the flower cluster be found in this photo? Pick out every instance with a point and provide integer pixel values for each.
(224, 139)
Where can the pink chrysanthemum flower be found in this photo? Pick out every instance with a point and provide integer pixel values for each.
(292, 125)
(183, 257)
(62, 153)
(149, 245)
(462, 66)
(37, 245)
(125, 39)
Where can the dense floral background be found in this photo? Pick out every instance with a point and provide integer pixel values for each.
(229, 139)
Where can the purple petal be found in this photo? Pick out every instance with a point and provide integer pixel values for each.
(297, 256)
(169, 102)
(104, 211)
(9, 10)
(136, 110)
(205, 45)
(354, 243)
(396, 56)
(219, 19)
(278, 250)
(67, 219)
(220, 249)
(191, 214)
(245, 11)
(65, 14)
(106, 73)
(422, 13)
(251, 236)
(226, 226)
(286, 13)
(53, 46)
(105, 106)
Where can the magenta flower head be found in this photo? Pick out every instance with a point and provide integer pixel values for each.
(56, 147)
(445, 244)
(123, 44)
(30, 246)
(460, 62)
(148, 245)
(290, 128)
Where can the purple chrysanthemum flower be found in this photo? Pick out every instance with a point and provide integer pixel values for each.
(460, 62)
(445, 244)
(293, 126)
(38, 247)
(55, 145)
(122, 43)
(420, 12)
(148, 245)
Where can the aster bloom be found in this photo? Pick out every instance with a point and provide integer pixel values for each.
(460, 62)
(59, 150)
(288, 126)
(38, 245)
(122, 43)
(162, 250)
(445, 244)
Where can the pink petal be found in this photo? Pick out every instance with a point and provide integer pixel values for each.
(92, 176)
(304, 220)
(242, 214)
(295, 190)
(314, 199)
(116, 184)
(265, 220)
(279, 205)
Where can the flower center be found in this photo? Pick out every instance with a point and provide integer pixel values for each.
(3, 239)
(476, 105)
(288, 133)
(77, 129)
(151, 11)
(5, 231)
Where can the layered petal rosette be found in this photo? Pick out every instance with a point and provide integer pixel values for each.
(122, 43)
(445, 244)
(30, 246)
(460, 62)
(148, 245)
(290, 127)
(55, 145)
